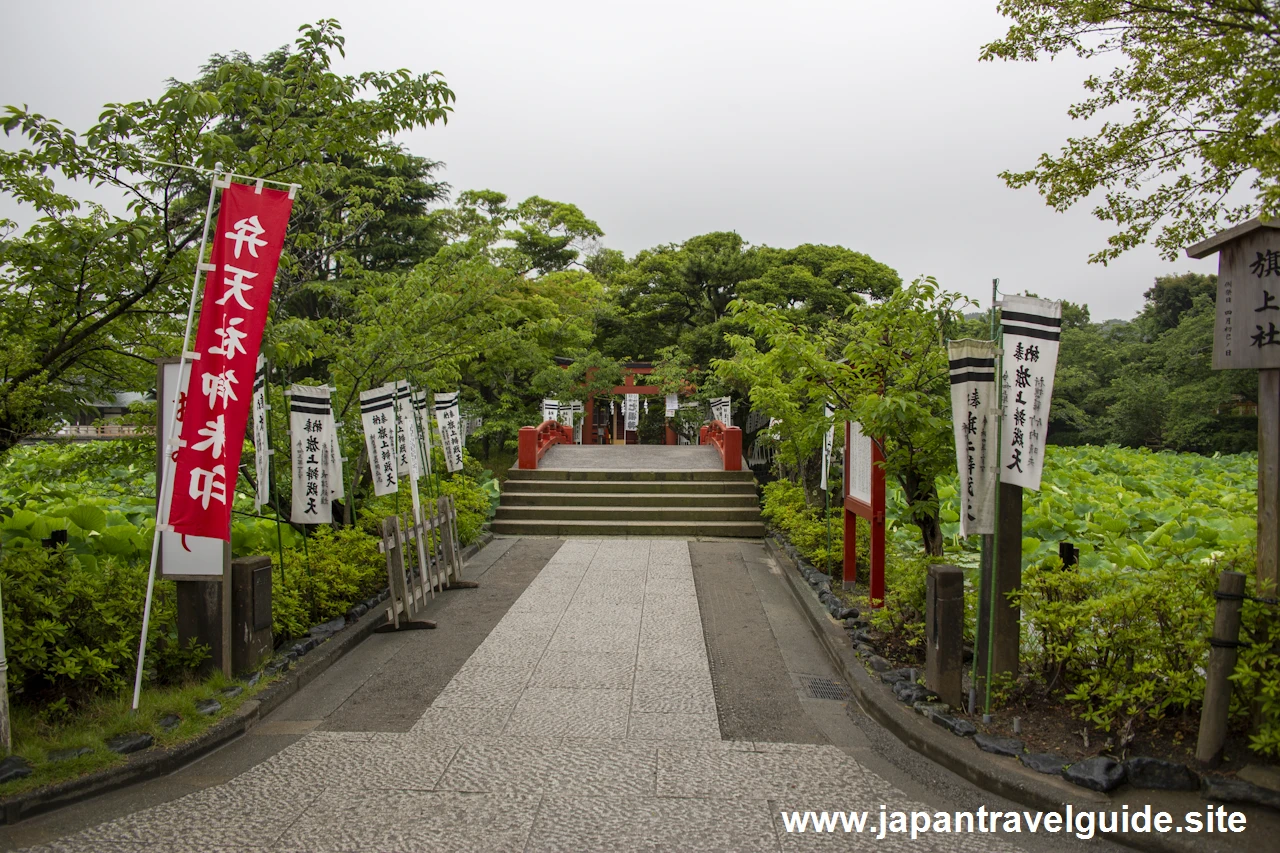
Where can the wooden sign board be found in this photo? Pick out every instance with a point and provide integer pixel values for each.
(1246, 335)
(863, 497)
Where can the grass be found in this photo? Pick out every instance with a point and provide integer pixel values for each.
(35, 737)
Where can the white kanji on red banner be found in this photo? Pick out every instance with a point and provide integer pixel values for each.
(250, 231)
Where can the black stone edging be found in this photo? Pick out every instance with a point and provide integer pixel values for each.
(1003, 778)
(149, 764)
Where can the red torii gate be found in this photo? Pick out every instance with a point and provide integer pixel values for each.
(863, 496)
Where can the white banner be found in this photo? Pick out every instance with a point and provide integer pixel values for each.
(722, 410)
(672, 402)
(310, 423)
(377, 414)
(261, 447)
(331, 456)
(631, 412)
(1030, 330)
(407, 447)
(422, 408)
(450, 430)
(575, 411)
(973, 419)
(550, 410)
(827, 441)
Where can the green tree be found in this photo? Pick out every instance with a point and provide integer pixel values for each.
(1189, 108)
(884, 365)
(88, 296)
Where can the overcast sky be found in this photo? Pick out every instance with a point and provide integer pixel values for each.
(866, 124)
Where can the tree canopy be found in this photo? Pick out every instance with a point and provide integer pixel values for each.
(1188, 140)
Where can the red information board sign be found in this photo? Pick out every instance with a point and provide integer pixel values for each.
(863, 497)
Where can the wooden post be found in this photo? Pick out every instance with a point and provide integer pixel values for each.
(1222, 662)
(1268, 480)
(982, 635)
(944, 632)
(1007, 574)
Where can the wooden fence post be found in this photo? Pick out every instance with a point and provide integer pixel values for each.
(1222, 661)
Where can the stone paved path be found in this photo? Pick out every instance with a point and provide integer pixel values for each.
(586, 720)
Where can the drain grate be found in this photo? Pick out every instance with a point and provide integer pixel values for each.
(824, 688)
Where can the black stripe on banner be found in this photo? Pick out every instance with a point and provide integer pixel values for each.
(961, 378)
(311, 401)
(1038, 319)
(311, 410)
(376, 407)
(1043, 334)
(957, 363)
(377, 399)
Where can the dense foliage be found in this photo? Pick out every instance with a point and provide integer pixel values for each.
(1190, 96)
(1148, 382)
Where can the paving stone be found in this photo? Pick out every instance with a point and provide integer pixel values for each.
(928, 708)
(567, 768)
(556, 712)
(412, 821)
(233, 691)
(1008, 746)
(1100, 773)
(208, 707)
(755, 775)
(1143, 772)
(673, 692)
(1043, 762)
(1262, 776)
(694, 826)
(237, 814)
(482, 687)
(892, 677)
(880, 665)
(132, 742)
(608, 670)
(673, 727)
(169, 722)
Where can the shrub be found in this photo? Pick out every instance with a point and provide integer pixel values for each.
(337, 569)
(72, 628)
(805, 526)
(1128, 645)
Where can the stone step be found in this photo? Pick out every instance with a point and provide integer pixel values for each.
(696, 515)
(729, 529)
(516, 474)
(631, 499)
(708, 487)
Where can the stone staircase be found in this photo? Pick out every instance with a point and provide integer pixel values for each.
(629, 503)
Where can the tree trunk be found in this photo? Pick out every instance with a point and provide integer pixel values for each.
(923, 492)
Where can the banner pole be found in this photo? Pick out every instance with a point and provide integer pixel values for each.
(995, 538)
(165, 490)
(272, 472)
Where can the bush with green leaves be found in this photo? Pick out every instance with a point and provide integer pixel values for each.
(805, 526)
(1125, 646)
(72, 628)
(336, 569)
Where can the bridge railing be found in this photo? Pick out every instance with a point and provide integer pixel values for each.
(534, 442)
(727, 440)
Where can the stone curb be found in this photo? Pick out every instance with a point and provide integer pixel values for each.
(149, 764)
(1002, 777)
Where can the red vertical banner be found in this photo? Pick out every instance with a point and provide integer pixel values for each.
(237, 294)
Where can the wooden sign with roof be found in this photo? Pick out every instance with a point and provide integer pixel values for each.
(1246, 336)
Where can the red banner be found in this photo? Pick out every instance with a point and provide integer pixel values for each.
(237, 294)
